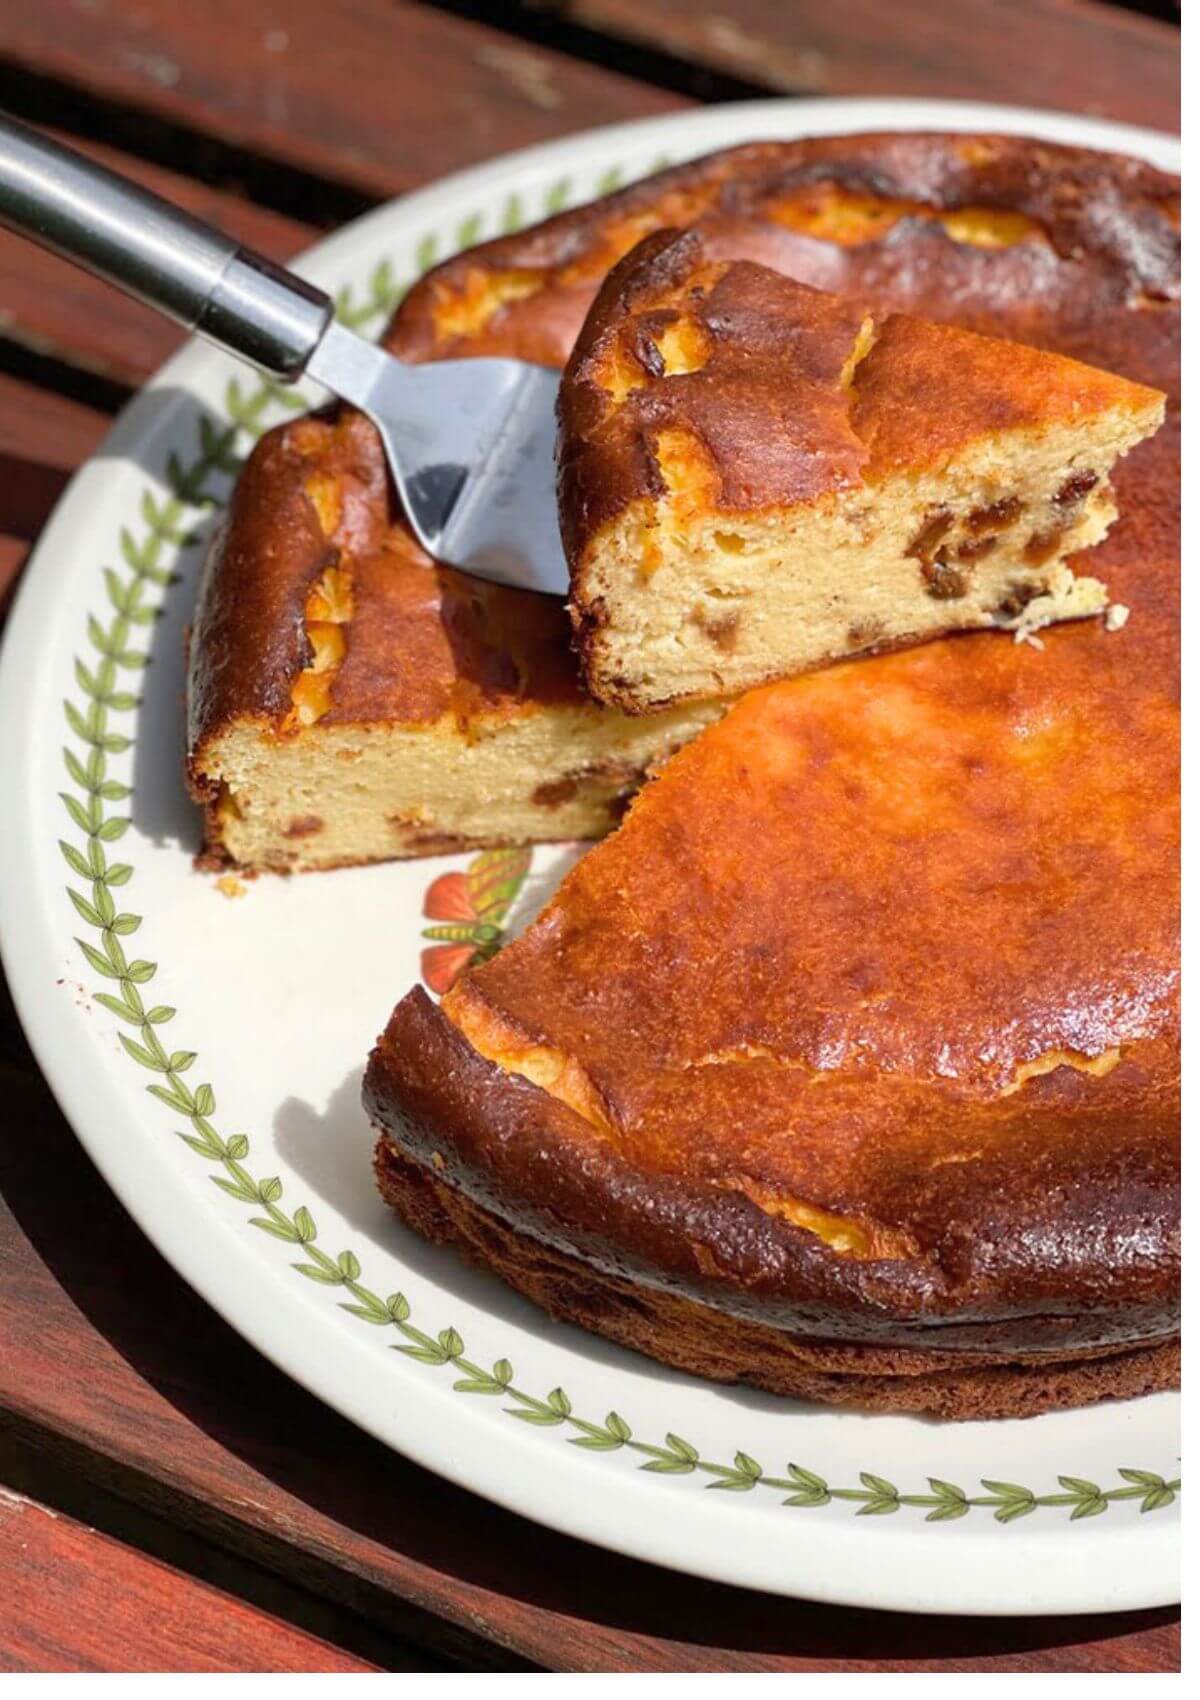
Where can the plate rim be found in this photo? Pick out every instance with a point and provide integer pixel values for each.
(43, 1021)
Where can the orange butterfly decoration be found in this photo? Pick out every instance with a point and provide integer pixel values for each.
(471, 905)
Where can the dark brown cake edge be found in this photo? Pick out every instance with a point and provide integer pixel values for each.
(527, 1157)
(698, 1340)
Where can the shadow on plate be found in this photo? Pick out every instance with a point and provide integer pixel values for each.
(331, 1150)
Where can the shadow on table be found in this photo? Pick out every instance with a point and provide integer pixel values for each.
(268, 1439)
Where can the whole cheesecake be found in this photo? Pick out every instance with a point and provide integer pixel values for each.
(848, 1065)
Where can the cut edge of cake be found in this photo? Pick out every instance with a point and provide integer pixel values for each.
(337, 795)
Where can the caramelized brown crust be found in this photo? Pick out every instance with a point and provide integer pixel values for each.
(1026, 239)
(1061, 1234)
(424, 641)
(701, 1341)
(765, 406)
(898, 941)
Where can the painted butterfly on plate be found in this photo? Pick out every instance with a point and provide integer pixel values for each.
(471, 906)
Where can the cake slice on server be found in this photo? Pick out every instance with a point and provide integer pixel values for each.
(756, 477)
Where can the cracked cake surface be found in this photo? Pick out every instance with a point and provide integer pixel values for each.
(848, 1066)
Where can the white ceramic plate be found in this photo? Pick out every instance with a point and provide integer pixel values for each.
(264, 1008)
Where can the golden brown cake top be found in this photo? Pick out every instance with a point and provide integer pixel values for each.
(920, 881)
(887, 956)
(1059, 247)
(1009, 229)
(730, 388)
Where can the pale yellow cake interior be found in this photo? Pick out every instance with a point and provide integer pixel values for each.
(331, 793)
(699, 600)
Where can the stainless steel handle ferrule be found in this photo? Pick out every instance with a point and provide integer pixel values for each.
(164, 257)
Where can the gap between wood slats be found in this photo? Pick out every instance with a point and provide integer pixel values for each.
(54, 309)
(31, 1474)
(179, 152)
(1167, 11)
(645, 53)
(77, 1601)
(1085, 56)
(373, 96)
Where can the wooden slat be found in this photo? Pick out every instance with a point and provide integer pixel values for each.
(13, 553)
(43, 438)
(372, 93)
(1072, 55)
(74, 1600)
(108, 1359)
(44, 429)
(53, 307)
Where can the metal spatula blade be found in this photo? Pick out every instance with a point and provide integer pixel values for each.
(470, 443)
(471, 447)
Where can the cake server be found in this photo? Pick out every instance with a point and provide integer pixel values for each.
(470, 442)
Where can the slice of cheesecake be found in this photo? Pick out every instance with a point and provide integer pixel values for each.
(757, 477)
(351, 701)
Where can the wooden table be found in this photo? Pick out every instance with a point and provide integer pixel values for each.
(148, 1521)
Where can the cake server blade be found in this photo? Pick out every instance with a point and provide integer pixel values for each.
(470, 443)
(471, 448)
